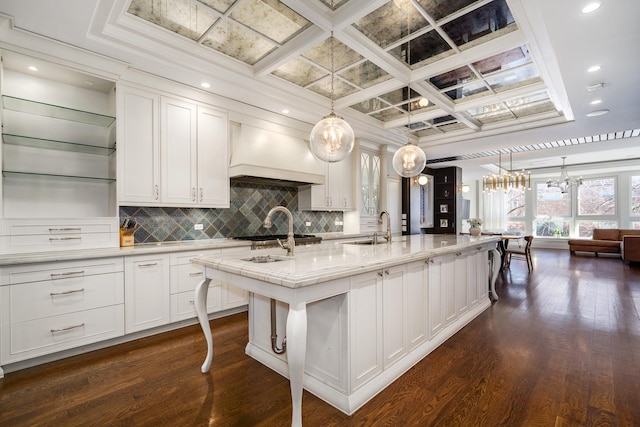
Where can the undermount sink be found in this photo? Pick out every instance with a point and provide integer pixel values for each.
(263, 259)
(370, 242)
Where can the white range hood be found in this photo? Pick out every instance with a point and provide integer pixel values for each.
(268, 157)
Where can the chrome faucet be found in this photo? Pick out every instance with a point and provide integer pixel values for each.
(290, 243)
(387, 233)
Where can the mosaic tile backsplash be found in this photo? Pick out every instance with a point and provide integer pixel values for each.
(250, 204)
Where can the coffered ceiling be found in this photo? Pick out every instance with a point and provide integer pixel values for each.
(465, 79)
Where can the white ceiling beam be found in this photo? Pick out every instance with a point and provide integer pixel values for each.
(306, 40)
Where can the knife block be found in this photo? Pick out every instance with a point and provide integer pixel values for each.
(126, 238)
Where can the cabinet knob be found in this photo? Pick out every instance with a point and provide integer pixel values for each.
(201, 194)
(386, 272)
(380, 273)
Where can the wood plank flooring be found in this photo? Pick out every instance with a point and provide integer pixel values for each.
(560, 348)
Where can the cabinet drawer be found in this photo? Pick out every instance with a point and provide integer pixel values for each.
(183, 306)
(34, 338)
(36, 300)
(181, 258)
(42, 235)
(55, 227)
(185, 277)
(61, 273)
(58, 242)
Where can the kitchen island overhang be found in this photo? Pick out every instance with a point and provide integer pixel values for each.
(357, 316)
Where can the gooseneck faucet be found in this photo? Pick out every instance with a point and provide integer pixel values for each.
(290, 243)
(387, 233)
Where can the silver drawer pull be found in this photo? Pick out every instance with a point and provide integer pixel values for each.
(64, 238)
(66, 229)
(68, 328)
(66, 274)
(74, 291)
(151, 264)
(199, 273)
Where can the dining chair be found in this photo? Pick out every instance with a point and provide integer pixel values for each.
(522, 253)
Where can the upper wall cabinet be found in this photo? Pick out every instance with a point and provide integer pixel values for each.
(337, 192)
(58, 146)
(174, 152)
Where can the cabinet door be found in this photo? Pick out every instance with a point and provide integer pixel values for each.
(462, 297)
(147, 292)
(394, 314)
(416, 304)
(212, 154)
(436, 296)
(138, 149)
(178, 153)
(365, 319)
(340, 185)
(448, 280)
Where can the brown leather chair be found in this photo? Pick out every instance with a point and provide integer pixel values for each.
(522, 253)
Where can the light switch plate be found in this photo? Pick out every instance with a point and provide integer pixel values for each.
(198, 227)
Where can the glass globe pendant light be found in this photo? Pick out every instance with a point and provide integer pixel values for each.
(332, 138)
(409, 160)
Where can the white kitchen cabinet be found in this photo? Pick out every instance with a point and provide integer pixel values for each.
(417, 307)
(461, 283)
(50, 307)
(147, 292)
(175, 152)
(365, 321)
(55, 234)
(337, 192)
(185, 275)
(441, 285)
(139, 151)
(394, 313)
(213, 158)
(178, 151)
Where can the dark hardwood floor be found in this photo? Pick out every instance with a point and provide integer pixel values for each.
(560, 348)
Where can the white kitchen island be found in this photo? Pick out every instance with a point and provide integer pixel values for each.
(356, 316)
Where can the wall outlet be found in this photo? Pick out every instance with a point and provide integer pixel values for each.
(198, 227)
(308, 223)
(338, 222)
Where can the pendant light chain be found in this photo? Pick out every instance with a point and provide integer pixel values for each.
(332, 70)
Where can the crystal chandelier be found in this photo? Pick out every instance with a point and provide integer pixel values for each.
(332, 138)
(507, 180)
(565, 181)
(409, 160)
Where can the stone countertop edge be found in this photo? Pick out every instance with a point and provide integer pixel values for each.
(362, 259)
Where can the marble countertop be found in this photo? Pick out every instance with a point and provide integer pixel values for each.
(336, 259)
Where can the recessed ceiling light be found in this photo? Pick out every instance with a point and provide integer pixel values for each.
(205, 85)
(593, 68)
(285, 111)
(594, 87)
(597, 113)
(596, 102)
(591, 7)
(32, 68)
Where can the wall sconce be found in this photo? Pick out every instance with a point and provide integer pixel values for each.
(421, 180)
(465, 188)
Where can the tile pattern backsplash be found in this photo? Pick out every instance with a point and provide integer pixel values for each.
(250, 204)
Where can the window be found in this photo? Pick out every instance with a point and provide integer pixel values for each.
(635, 196)
(597, 197)
(515, 199)
(553, 211)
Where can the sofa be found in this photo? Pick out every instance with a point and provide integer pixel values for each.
(611, 241)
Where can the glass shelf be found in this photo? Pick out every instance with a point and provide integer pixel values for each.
(55, 111)
(52, 144)
(36, 175)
